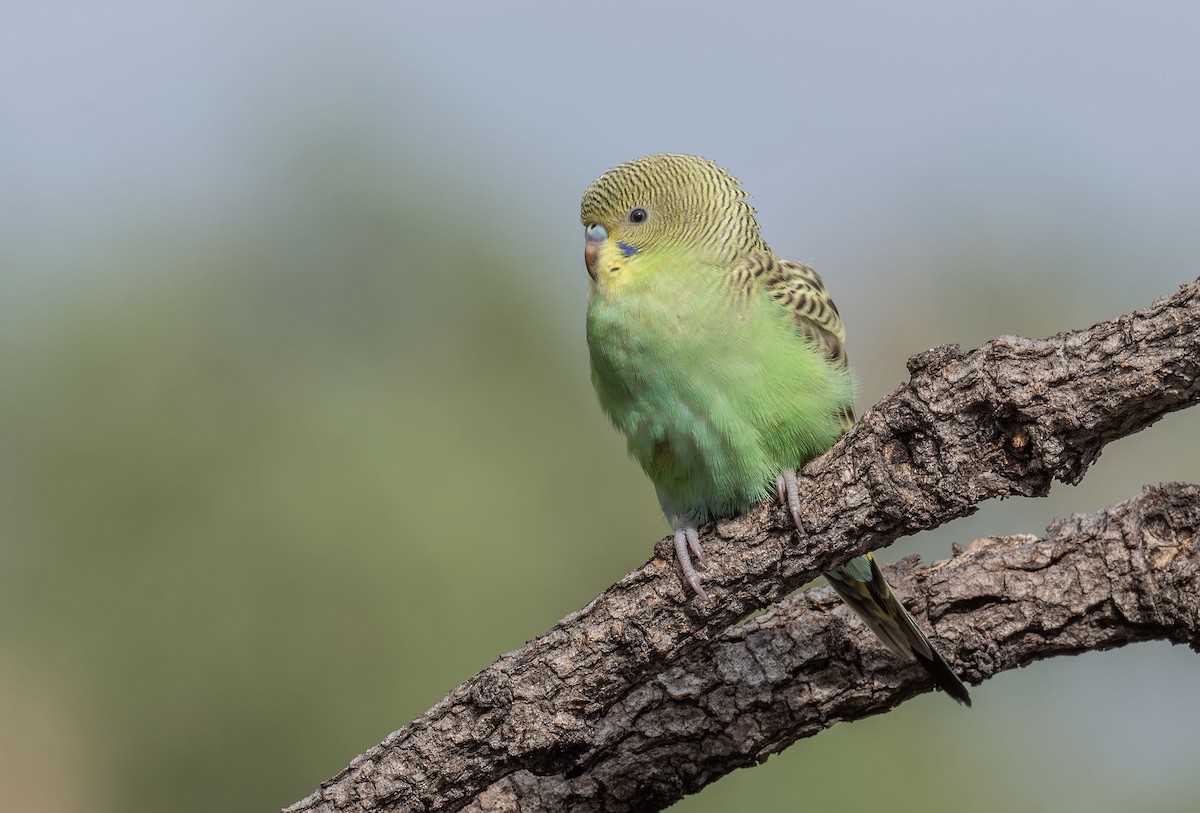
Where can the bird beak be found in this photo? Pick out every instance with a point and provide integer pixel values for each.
(591, 253)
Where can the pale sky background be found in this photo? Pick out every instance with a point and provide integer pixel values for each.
(1061, 112)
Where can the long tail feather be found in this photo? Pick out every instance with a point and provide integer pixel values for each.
(861, 584)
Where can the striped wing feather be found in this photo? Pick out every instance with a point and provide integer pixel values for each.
(800, 290)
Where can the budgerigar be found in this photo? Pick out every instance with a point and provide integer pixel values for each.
(722, 364)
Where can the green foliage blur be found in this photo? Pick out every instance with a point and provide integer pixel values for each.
(278, 472)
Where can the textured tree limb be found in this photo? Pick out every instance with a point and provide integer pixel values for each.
(1095, 581)
(1005, 419)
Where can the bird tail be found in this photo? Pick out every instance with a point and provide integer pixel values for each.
(861, 585)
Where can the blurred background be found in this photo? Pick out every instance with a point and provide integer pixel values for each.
(296, 431)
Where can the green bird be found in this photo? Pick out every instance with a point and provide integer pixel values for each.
(723, 365)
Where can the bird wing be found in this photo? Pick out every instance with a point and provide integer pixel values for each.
(800, 290)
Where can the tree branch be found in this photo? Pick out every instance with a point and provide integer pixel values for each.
(1096, 581)
(1005, 419)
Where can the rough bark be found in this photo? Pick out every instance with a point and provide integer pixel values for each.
(1006, 419)
(1095, 581)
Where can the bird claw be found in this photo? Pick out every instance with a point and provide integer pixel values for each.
(788, 491)
(687, 542)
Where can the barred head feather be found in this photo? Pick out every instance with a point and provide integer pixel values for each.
(687, 200)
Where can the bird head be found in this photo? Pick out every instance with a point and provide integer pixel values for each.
(663, 202)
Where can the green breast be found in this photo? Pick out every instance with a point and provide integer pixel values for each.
(716, 392)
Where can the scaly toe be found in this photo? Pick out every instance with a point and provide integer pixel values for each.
(792, 497)
(686, 537)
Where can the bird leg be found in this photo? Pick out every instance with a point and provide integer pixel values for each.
(687, 542)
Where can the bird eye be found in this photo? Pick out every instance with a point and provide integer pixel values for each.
(595, 233)
(638, 215)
